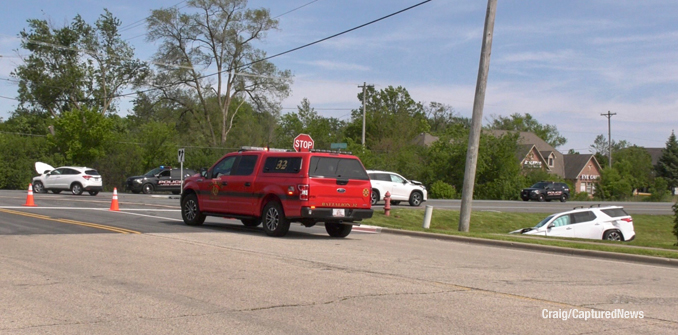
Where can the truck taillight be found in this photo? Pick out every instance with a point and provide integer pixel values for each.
(303, 191)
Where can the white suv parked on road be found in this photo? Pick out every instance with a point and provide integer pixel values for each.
(607, 223)
(74, 178)
(400, 188)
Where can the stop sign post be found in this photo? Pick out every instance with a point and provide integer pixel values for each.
(303, 142)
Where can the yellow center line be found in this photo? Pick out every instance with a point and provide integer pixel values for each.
(79, 223)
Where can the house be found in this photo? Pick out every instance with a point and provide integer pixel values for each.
(582, 170)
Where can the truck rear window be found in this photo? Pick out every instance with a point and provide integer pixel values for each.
(335, 167)
(282, 165)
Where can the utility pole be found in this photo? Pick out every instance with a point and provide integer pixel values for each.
(364, 87)
(609, 136)
(477, 119)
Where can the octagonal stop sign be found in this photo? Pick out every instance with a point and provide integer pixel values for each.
(302, 142)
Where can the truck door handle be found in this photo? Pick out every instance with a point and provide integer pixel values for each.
(247, 183)
(224, 183)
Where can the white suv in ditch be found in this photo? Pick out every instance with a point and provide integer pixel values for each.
(76, 179)
(606, 223)
(400, 188)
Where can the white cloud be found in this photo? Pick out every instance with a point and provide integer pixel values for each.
(331, 65)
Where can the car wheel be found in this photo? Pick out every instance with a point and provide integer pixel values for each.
(93, 193)
(76, 189)
(55, 191)
(540, 198)
(563, 198)
(613, 235)
(147, 188)
(338, 229)
(274, 220)
(415, 198)
(395, 203)
(375, 197)
(38, 187)
(190, 211)
(251, 222)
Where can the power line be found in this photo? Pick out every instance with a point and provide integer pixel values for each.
(135, 23)
(300, 7)
(300, 47)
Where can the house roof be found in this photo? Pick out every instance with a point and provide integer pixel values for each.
(541, 145)
(655, 154)
(575, 164)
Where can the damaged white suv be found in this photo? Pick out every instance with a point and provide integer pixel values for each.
(400, 188)
(606, 223)
(76, 179)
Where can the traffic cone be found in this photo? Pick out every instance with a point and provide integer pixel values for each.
(114, 202)
(29, 198)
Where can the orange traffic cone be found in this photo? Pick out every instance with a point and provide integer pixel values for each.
(114, 202)
(29, 198)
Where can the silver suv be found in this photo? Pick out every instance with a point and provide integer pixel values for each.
(76, 179)
(607, 223)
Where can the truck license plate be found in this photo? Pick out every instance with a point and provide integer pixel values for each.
(338, 212)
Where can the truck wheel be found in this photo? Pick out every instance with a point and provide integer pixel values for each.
(147, 188)
(190, 211)
(338, 229)
(274, 220)
(251, 222)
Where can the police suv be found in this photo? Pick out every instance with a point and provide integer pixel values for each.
(163, 178)
(276, 187)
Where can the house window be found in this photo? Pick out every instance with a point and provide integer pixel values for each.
(589, 188)
(551, 161)
(582, 187)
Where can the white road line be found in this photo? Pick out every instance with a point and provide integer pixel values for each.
(93, 209)
(151, 216)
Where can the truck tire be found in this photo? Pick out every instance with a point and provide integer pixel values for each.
(338, 229)
(274, 220)
(190, 211)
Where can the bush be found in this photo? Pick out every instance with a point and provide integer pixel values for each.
(581, 196)
(659, 190)
(675, 220)
(442, 190)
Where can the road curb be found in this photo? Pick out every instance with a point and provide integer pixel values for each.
(538, 247)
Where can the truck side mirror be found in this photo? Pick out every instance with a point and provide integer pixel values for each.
(203, 172)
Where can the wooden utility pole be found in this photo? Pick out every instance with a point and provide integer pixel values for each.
(609, 136)
(364, 87)
(477, 119)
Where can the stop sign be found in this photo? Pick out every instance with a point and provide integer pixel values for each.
(303, 142)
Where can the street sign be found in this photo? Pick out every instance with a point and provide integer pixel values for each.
(302, 142)
(338, 145)
(181, 155)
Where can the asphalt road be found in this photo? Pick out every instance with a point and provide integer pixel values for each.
(69, 272)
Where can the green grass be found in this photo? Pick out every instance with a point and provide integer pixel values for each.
(654, 235)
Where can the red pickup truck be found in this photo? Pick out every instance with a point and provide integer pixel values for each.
(277, 187)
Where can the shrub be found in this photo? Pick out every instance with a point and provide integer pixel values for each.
(442, 190)
(675, 220)
(659, 190)
(581, 196)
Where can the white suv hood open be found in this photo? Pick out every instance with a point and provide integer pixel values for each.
(41, 167)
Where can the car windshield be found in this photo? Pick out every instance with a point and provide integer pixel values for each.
(153, 172)
(540, 185)
(543, 222)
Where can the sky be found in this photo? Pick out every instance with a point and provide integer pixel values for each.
(563, 62)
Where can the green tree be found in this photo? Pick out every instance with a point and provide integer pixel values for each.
(393, 119)
(306, 120)
(219, 35)
(548, 133)
(443, 119)
(76, 66)
(667, 166)
(635, 165)
(600, 149)
(82, 135)
(613, 186)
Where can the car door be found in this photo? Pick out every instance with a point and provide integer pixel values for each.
(70, 176)
(213, 188)
(561, 226)
(165, 181)
(587, 225)
(241, 196)
(399, 189)
(53, 179)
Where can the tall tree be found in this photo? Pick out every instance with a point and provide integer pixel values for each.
(635, 164)
(219, 36)
(667, 167)
(324, 131)
(393, 119)
(600, 149)
(443, 119)
(548, 133)
(75, 66)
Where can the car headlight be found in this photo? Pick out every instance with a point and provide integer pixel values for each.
(137, 181)
(534, 191)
